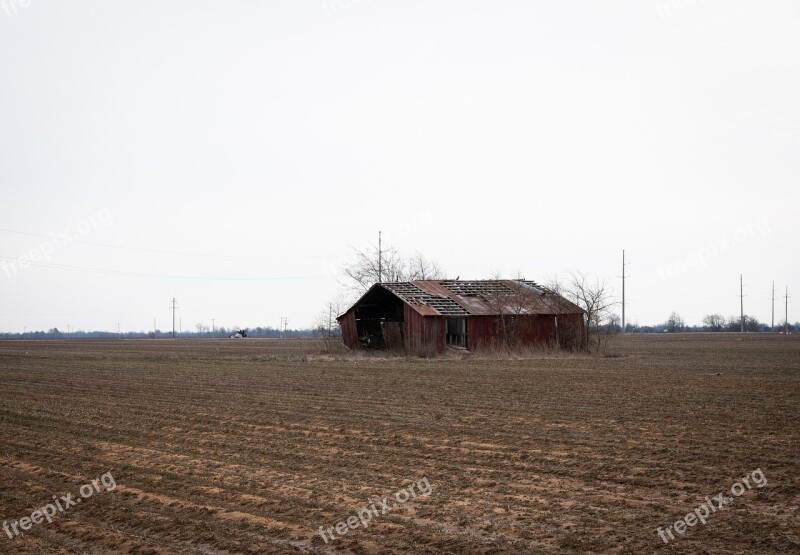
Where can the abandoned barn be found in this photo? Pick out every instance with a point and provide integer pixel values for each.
(427, 317)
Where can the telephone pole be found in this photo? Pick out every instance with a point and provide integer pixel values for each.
(623, 290)
(786, 317)
(380, 259)
(173, 308)
(213, 328)
(741, 303)
(772, 327)
(119, 331)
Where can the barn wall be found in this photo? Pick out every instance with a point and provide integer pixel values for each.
(349, 330)
(424, 335)
(572, 331)
(483, 331)
(480, 332)
(538, 329)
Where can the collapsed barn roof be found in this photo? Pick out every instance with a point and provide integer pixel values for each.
(477, 298)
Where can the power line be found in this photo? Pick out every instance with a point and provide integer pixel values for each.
(173, 253)
(53, 266)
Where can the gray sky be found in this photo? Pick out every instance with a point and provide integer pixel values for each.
(214, 145)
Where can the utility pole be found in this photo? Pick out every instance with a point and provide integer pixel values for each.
(283, 326)
(741, 303)
(623, 290)
(380, 259)
(330, 318)
(786, 317)
(180, 327)
(173, 308)
(213, 328)
(68, 330)
(155, 329)
(772, 327)
(119, 331)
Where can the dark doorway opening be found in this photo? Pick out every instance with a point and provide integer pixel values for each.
(457, 332)
(379, 321)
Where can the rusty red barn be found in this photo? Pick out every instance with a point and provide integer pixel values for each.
(425, 317)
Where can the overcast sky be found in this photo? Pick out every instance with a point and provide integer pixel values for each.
(230, 154)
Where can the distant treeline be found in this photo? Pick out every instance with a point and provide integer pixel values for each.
(664, 328)
(55, 333)
(677, 326)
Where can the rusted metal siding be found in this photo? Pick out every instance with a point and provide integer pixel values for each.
(481, 332)
(413, 316)
(486, 332)
(537, 329)
(424, 335)
(349, 329)
(522, 297)
(571, 331)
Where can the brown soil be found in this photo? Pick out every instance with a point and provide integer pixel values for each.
(249, 446)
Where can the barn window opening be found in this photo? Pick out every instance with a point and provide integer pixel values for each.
(457, 332)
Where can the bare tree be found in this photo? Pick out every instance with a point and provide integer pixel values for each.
(595, 298)
(556, 286)
(674, 323)
(364, 270)
(509, 305)
(613, 324)
(421, 267)
(751, 323)
(714, 322)
(325, 324)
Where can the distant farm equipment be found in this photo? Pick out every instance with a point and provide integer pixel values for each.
(239, 334)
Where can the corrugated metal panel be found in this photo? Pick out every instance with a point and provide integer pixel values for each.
(349, 330)
(423, 301)
(425, 335)
(478, 298)
(495, 297)
(484, 332)
(481, 332)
